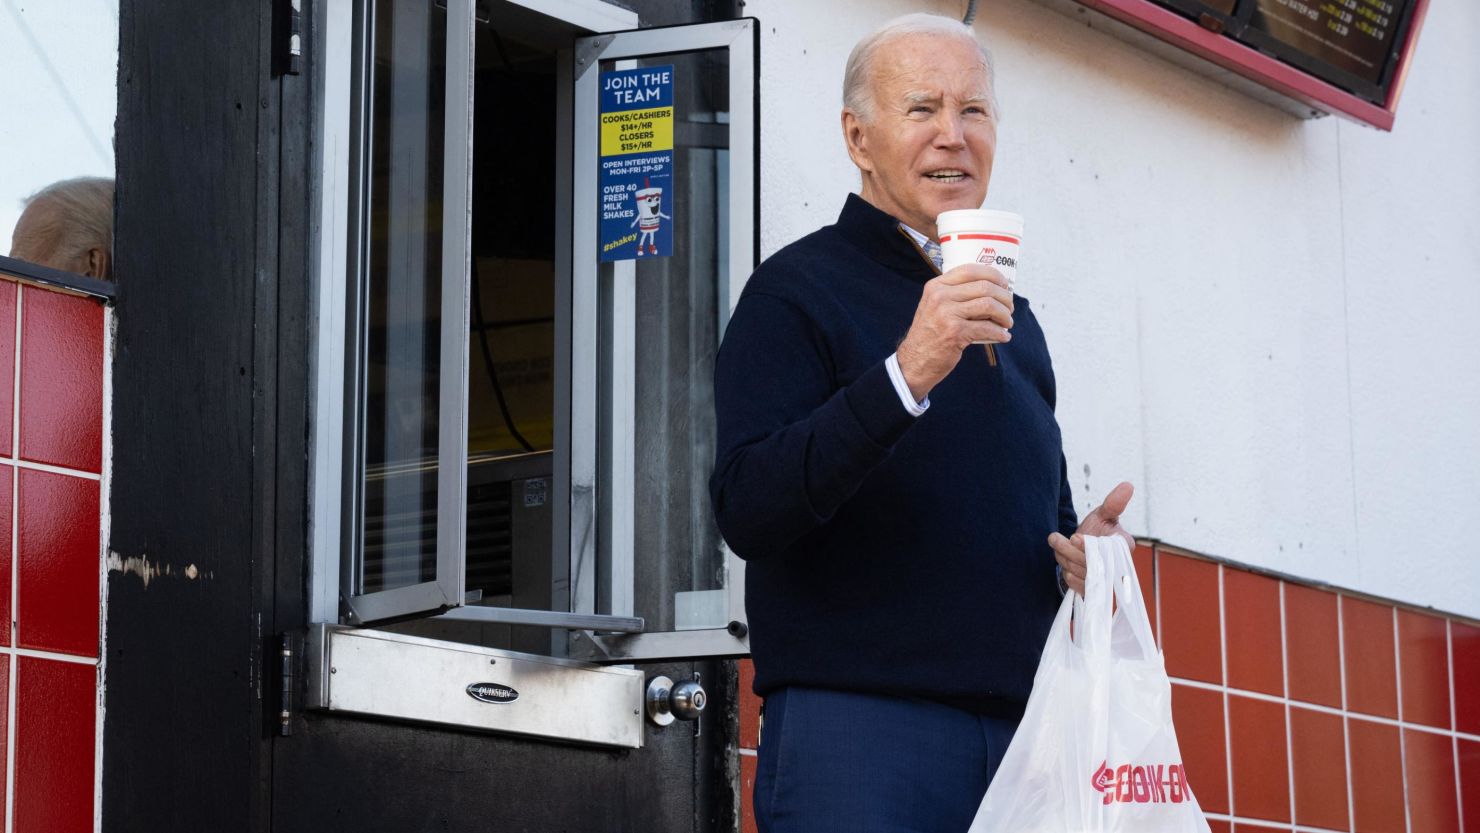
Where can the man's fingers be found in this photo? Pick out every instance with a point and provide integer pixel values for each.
(987, 309)
(1115, 503)
(1075, 584)
(974, 272)
(985, 332)
(971, 290)
(1070, 558)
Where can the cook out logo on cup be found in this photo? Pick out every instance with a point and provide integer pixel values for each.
(979, 235)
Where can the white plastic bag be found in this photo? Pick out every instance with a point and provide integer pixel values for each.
(1096, 751)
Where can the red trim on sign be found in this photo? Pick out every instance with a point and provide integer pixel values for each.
(1002, 237)
(1266, 70)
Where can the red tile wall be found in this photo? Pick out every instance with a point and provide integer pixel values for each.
(1190, 630)
(1313, 642)
(1371, 662)
(1318, 766)
(750, 741)
(51, 455)
(1306, 734)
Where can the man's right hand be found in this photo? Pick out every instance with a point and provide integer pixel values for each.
(968, 304)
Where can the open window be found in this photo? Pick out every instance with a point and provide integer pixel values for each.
(514, 424)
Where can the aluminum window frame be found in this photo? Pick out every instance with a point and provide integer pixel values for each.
(339, 357)
(337, 414)
(741, 39)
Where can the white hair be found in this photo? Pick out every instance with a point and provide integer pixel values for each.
(858, 93)
(66, 220)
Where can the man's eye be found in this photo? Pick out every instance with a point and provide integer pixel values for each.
(919, 108)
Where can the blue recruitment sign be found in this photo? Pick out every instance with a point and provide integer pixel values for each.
(636, 164)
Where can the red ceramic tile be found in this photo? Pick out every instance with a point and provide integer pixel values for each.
(57, 584)
(1314, 643)
(7, 482)
(1376, 777)
(1144, 559)
(1432, 787)
(747, 794)
(1469, 783)
(56, 705)
(1371, 671)
(1251, 616)
(1318, 760)
(1465, 641)
(4, 728)
(61, 379)
(1198, 716)
(1191, 636)
(750, 707)
(1261, 773)
(1218, 826)
(1423, 661)
(1245, 827)
(8, 292)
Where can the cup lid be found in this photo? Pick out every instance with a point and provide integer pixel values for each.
(979, 219)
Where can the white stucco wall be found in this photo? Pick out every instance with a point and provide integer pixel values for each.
(1267, 324)
(58, 96)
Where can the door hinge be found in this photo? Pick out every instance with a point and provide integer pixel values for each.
(292, 36)
(287, 648)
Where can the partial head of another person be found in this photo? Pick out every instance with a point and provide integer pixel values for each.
(68, 225)
(920, 118)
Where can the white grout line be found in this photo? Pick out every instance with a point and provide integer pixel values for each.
(32, 464)
(1459, 794)
(1346, 729)
(1227, 718)
(104, 531)
(1289, 728)
(1156, 589)
(1245, 820)
(1402, 738)
(747, 753)
(15, 525)
(52, 655)
(1317, 707)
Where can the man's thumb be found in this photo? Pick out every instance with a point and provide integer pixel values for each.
(1118, 499)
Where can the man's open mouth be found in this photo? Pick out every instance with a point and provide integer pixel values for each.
(947, 175)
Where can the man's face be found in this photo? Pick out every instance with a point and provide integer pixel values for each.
(929, 143)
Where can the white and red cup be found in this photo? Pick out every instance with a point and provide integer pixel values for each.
(980, 235)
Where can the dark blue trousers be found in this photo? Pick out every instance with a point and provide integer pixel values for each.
(858, 763)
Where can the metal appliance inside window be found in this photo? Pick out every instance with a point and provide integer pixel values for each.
(574, 396)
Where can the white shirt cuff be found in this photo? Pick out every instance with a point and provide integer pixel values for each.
(902, 388)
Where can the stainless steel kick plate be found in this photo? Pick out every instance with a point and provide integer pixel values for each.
(382, 674)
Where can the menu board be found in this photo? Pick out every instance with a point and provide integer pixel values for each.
(1354, 36)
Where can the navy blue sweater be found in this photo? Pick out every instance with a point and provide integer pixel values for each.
(885, 553)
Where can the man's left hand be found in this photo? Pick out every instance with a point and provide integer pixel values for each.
(1104, 520)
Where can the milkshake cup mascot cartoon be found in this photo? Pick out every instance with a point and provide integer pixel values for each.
(649, 209)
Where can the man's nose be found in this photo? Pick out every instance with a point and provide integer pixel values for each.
(948, 132)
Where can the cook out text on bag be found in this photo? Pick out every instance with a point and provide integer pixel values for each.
(1096, 751)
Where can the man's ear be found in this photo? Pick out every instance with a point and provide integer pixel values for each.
(99, 264)
(853, 136)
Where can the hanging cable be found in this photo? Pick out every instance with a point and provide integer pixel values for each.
(498, 390)
(970, 12)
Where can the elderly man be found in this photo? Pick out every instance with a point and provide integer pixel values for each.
(68, 225)
(899, 494)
